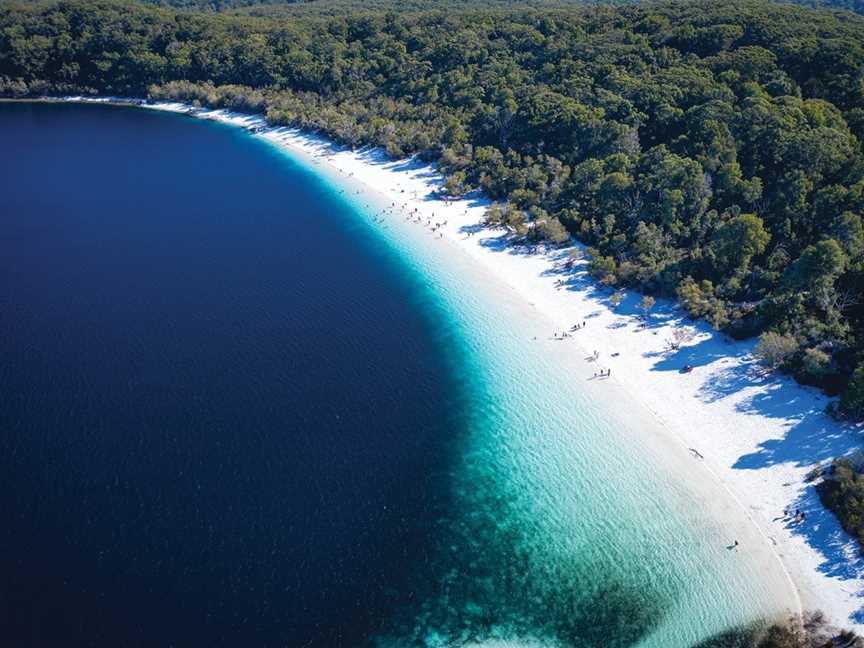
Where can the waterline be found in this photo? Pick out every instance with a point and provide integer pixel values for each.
(572, 527)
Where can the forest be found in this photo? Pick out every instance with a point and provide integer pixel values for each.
(705, 151)
(335, 7)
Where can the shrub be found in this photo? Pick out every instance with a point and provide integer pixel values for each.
(774, 349)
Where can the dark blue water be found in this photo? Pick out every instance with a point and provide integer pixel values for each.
(226, 407)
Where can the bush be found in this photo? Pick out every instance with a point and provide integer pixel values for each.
(810, 631)
(843, 494)
(774, 349)
(852, 401)
(815, 362)
(552, 230)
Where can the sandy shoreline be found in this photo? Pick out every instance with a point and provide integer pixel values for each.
(757, 435)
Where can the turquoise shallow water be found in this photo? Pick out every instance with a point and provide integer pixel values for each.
(573, 528)
(503, 504)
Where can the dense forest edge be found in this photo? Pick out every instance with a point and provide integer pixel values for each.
(709, 152)
(347, 7)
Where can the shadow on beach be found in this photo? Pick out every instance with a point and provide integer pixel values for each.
(809, 435)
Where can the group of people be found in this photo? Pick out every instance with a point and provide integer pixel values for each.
(416, 217)
(604, 373)
(798, 517)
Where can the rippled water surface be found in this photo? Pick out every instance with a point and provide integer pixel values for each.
(237, 412)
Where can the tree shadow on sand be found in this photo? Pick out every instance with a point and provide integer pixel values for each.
(809, 435)
(842, 558)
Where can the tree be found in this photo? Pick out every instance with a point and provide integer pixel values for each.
(818, 264)
(843, 494)
(646, 304)
(504, 112)
(515, 219)
(774, 349)
(681, 335)
(616, 298)
(815, 361)
(852, 401)
(552, 230)
(848, 231)
(694, 297)
(575, 254)
(455, 184)
(738, 240)
(601, 266)
(494, 216)
(816, 271)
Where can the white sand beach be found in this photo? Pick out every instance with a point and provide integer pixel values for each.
(758, 435)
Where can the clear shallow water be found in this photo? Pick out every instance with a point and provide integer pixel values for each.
(238, 414)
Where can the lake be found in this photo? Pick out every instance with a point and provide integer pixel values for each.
(238, 412)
